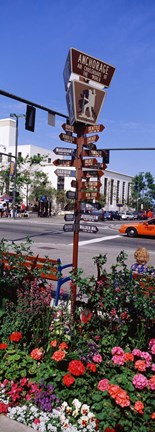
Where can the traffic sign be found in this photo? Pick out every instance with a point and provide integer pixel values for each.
(89, 195)
(68, 227)
(89, 228)
(68, 128)
(94, 173)
(84, 102)
(89, 162)
(68, 138)
(69, 217)
(70, 194)
(65, 173)
(94, 128)
(89, 67)
(64, 151)
(62, 162)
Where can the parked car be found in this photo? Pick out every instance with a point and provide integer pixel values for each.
(111, 215)
(146, 228)
(127, 215)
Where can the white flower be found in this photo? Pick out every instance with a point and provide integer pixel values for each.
(84, 409)
(77, 403)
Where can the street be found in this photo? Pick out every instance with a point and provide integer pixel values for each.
(49, 239)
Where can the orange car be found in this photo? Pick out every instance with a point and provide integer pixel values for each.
(133, 229)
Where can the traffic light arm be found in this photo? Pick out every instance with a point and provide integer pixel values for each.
(18, 98)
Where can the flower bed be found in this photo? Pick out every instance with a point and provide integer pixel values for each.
(93, 371)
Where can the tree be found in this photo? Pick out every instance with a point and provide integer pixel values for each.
(143, 190)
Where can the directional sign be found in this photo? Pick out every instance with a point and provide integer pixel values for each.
(64, 151)
(89, 185)
(68, 227)
(68, 138)
(71, 195)
(94, 173)
(94, 128)
(68, 128)
(89, 162)
(91, 139)
(69, 217)
(89, 195)
(64, 173)
(89, 67)
(62, 162)
(89, 228)
(84, 102)
(99, 165)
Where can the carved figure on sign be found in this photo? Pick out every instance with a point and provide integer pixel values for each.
(88, 103)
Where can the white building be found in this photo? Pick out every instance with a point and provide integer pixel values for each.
(116, 187)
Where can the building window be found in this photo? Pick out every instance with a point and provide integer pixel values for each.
(117, 192)
(9, 157)
(105, 187)
(123, 193)
(60, 183)
(129, 193)
(111, 191)
(19, 155)
(49, 160)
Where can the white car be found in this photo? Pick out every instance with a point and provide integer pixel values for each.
(127, 215)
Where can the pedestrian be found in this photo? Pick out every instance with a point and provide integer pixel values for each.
(1, 209)
(150, 214)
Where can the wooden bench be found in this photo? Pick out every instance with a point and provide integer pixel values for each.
(49, 269)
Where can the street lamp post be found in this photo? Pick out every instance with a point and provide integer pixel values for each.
(15, 169)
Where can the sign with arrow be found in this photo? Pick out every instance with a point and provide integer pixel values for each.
(94, 173)
(91, 139)
(70, 194)
(89, 228)
(64, 151)
(89, 185)
(62, 162)
(68, 138)
(68, 128)
(89, 195)
(68, 227)
(65, 173)
(94, 128)
(89, 162)
(69, 217)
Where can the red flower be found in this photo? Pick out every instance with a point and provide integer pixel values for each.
(3, 346)
(36, 354)
(15, 336)
(3, 408)
(139, 407)
(63, 346)
(85, 316)
(58, 355)
(53, 343)
(153, 416)
(76, 367)
(36, 421)
(92, 367)
(108, 429)
(68, 380)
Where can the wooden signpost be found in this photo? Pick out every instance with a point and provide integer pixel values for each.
(85, 97)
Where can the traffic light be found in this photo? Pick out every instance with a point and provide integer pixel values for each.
(106, 156)
(30, 118)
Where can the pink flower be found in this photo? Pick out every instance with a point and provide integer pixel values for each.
(103, 384)
(153, 367)
(113, 312)
(97, 358)
(152, 346)
(117, 350)
(118, 360)
(36, 421)
(136, 352)
(139, 381)
(152, 382)
(139, 407)
(147, 357)
(152, 349)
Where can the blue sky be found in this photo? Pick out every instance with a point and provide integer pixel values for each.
(35, 38)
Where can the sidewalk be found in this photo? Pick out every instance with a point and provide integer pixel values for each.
(9, 425)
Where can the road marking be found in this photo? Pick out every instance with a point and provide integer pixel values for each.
(99, 239)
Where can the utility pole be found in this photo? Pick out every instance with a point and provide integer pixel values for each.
(15, 168)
